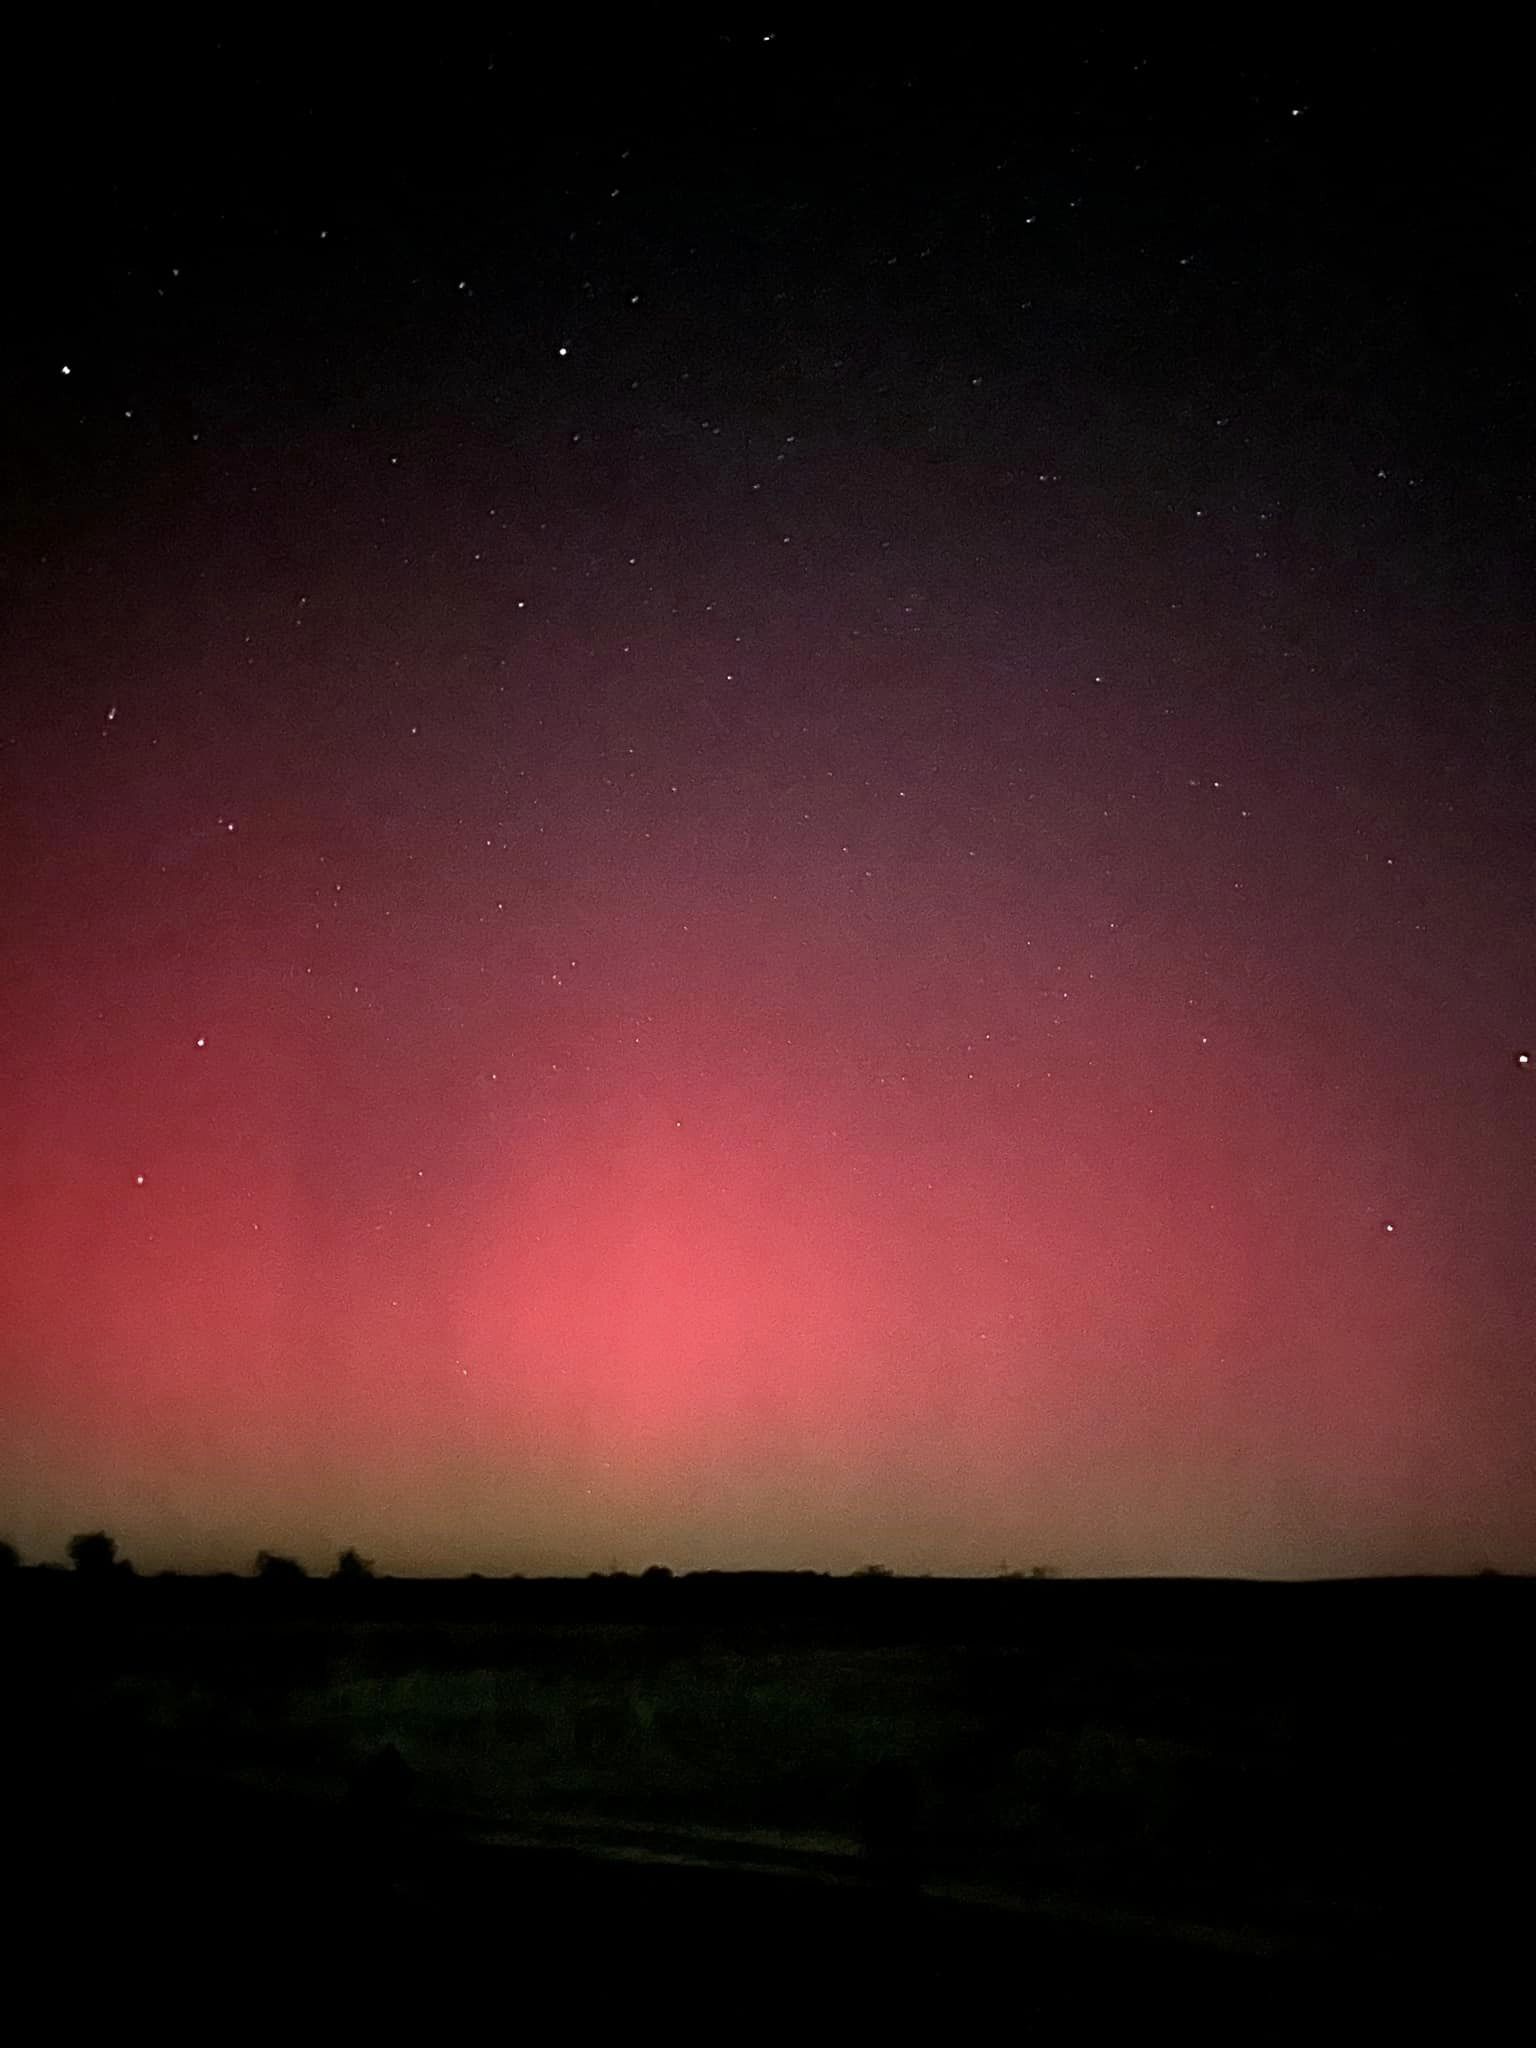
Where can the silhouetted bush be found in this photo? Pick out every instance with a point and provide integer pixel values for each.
(889, 1808)
(381, 1788)
(279, 1572)
(10, 1557)
(353, 1570)
(94, 1556)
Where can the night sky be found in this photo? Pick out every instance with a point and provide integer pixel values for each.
(768, 802)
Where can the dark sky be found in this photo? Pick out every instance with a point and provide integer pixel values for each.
(768, 801)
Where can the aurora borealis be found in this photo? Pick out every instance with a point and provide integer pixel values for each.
(780, 819)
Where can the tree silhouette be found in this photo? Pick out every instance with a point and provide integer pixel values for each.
(383, 1781)
(889, 1806)
(10, 1557)
(94, 1556)
(276, 1571)
(353, 1570)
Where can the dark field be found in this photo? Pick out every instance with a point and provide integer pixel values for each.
(1091, 1797)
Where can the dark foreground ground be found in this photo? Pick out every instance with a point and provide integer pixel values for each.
(228, 1914)
(1265, 1808)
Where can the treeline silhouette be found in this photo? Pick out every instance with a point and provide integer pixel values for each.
(95, 1557)
(278, 1583)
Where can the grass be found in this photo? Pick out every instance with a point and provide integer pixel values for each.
(1183, 1771)
(1019, 1775)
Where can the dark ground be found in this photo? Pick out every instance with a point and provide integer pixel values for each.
(1272, 1807)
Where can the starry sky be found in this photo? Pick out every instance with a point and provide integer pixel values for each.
(767, 801)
